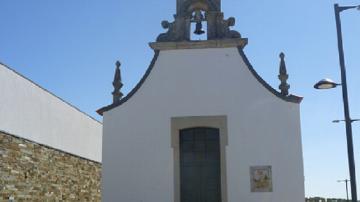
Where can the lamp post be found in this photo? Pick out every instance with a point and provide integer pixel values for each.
(327, 83)
(346, 185)
(338, 121)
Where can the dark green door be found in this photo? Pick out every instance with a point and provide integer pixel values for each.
(200, 165)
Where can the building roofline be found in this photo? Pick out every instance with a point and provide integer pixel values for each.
(287, 98)
(134, 90)
(49, 92)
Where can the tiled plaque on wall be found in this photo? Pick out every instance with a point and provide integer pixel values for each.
(261, 179)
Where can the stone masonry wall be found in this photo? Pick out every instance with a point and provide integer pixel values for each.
(34, 172)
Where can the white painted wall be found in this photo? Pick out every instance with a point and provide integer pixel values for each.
(262, 129)
(30, 112)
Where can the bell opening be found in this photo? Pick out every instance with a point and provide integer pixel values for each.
(198, 26)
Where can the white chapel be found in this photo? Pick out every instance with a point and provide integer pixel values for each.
(201, 125)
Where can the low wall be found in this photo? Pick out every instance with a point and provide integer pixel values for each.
(34, 172)
(32, 112)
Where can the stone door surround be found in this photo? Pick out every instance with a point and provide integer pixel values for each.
(179, 123)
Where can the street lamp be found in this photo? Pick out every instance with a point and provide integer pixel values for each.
(327, 84)
(346, 185)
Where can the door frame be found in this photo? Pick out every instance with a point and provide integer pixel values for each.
(179, 123)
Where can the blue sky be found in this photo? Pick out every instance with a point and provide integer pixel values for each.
(70, 48)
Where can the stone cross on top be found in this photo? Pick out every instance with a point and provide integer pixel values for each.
(198, 11)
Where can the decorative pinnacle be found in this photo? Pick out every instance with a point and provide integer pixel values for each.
(117, 94)
(283, 76)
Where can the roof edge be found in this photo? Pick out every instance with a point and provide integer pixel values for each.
(217, 43)
(49, 92)
(134, 90)
(290, 98)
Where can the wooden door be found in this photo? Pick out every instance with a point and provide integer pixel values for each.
(200, 165)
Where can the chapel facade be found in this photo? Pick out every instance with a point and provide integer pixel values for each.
(202, 125)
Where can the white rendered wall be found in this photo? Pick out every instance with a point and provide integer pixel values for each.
(30, 112)
(262, 129)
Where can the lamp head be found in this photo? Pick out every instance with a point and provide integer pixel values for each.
(326, 84)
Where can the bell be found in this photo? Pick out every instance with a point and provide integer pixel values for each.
(198, 29)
